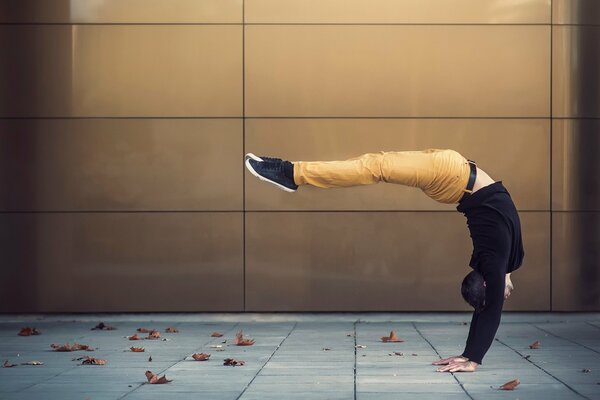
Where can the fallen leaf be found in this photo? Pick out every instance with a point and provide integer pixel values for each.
(103, 327)
(216, 346)
(134, 337)
(360, 346)
(535, 345)
(586, 370)
(510, 385)
(155, 380)
(240, 341)
(170, 329)
(232, 362)
(87, 360)
(216, 334)
(71, 347)
(200, 356)
(137, 349)
(326, 348)
(143, 330)
(392, 338)
(153, 335)
(33, 363)
(27, 331)
(414, 354)
(150, 359)
(398, 353)
(8, 365)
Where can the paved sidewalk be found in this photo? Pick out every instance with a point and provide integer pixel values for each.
(300, 356)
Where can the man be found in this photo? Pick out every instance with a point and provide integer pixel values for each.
(447, 177)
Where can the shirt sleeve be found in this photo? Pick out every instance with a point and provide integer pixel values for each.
(484, 325)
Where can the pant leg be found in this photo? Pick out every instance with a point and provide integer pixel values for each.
(411, 168)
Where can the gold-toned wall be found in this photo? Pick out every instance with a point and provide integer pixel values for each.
(123, 125)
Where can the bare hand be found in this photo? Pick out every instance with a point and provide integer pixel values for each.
(465, 366)
(450, 360)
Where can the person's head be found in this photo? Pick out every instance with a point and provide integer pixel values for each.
(473, 290)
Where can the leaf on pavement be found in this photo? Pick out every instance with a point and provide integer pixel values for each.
(535, 345)
(71, 347)
(510, 385)
(232, 362)
(134, 337)
(240, 341)
(103, 327)
(170, 329)
(27, 331)
(8, 364)
(155, 380)
(200, 356)
(34, 362)
(137, 349)
(216, 334)
(392, 338)
(87, 360)
(154, 334)
(143, 330)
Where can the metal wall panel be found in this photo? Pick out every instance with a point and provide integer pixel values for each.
(398, 11)
(121, 164)
(575, 171)
(575, 261)
(121, 11)
(576, 12)
(381, 261)
(514, 151)
(575, 66)
(90, 262)
(121, 70)
(434, 71)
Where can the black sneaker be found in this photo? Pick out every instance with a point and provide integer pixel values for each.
(272, 172)
(260, 158)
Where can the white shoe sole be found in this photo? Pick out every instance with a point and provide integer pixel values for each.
(251, 156)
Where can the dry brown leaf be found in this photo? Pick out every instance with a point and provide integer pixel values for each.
(535, 345)
(143, 330)
(154, 334)
(398, 353)
(216, 334)
(232, 362)
(200, 356)
(103, 327)
(170, 329)
(137, 349)
(240, 341)
(27, 331)
(392, 338)
(71, 347)
(8, 365)
(87, 360)
(510, 385)
(155, 380)
(134, 337)
(34, 362)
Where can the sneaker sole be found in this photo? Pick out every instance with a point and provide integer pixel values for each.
(251, 156)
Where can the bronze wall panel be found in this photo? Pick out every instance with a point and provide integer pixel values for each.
(575, 172)
(514, 151)
(398, 11)
(575, 66)
(576, 12)
(121, 70)
(576, 261)
(109, 262)
(121, 11)
(435, 71)
(383, 261)
(121, 164)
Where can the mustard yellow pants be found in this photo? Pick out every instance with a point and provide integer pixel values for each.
(440, 174)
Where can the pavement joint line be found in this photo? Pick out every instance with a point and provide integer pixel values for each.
(541, 368)
(163, 371)
(437, 352)
(354, 370)
(568, 340)
(592, 324)
(266, 362)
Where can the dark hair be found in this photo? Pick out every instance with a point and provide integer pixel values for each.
(473, 290)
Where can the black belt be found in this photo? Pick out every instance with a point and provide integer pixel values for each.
(471, 183)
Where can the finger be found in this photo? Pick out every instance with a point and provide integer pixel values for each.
(440, 362)
(446, 368)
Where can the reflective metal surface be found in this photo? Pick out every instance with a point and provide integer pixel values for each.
(121, 11)
(121, 70)
(377, 261)
(576, 12)
(575, 171)
(575, 261)
(433, 71)
(121, 164)
(498, 145)
(575, 66)
(398, 11)
(89, 262)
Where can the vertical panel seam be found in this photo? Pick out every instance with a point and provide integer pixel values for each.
(243, 153)
(551, 144)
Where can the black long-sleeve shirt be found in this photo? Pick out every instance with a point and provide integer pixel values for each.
(495, 230)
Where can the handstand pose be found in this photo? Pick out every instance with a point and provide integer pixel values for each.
(447, 177)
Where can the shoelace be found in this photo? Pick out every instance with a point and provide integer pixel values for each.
(270, 159)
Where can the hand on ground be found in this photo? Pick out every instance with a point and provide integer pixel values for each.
(464, 366)
(450, 360)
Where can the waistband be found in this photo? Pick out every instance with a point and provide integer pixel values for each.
(479, 196)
